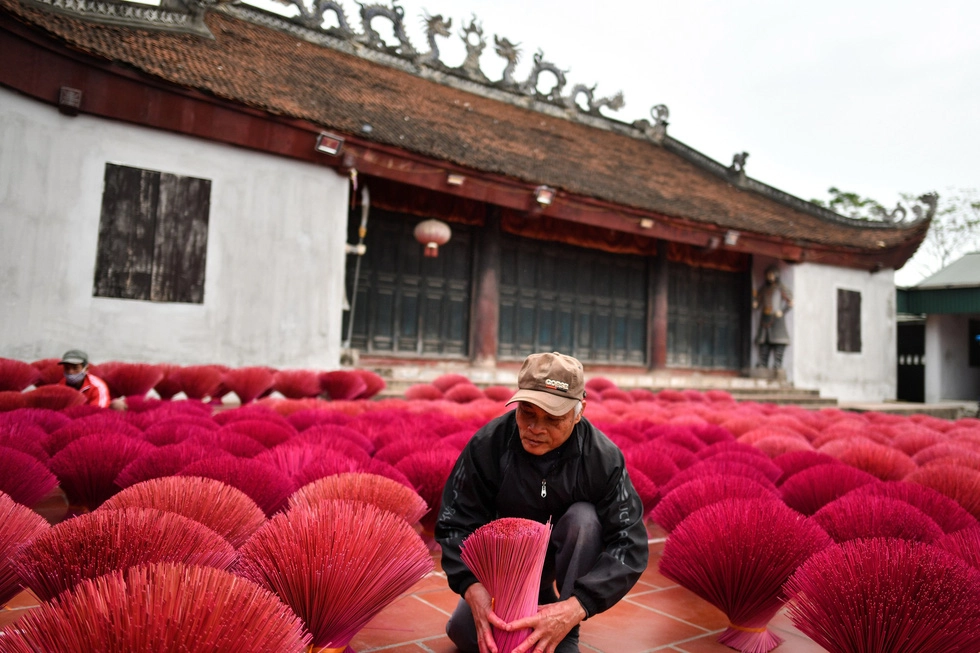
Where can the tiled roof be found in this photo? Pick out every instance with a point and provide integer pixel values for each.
(271, 70)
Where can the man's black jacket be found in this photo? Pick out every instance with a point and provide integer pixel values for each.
(494, 477)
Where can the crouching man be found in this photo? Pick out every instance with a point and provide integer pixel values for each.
(544, 461)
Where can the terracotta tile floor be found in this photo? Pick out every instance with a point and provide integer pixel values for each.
(657, 615)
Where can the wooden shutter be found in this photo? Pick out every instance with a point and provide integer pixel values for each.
(153, 236)
(848, 320)
(127, 228)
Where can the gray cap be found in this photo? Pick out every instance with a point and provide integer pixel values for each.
(74, 357)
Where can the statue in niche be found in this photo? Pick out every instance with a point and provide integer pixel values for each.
(772, 299)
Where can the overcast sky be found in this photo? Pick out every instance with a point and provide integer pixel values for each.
(879, 97)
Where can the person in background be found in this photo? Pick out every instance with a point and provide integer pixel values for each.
(75, 365)
(544, 461)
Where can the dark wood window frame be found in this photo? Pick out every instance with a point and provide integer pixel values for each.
(153, 236)
(848, 321)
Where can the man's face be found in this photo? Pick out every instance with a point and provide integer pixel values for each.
(541, 431)
(72, 368)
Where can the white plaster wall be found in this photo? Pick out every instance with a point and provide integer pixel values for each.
(868, 375)
(948, 372)
(274, 281)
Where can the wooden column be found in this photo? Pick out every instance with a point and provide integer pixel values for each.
(486, 296)
(658, 319)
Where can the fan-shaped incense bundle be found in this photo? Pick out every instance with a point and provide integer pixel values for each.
(729, 446)
(198, 381)
(792, 462)
(50, 369)
(711, 467)
(498, 392)
(23, 477)
(325, 467)
(296, 384)
(963, 543)
(694, 495)
(318, 437)
(810, 490)
(101, 422)
(872, 595)
(233, 442)
(18, 526)
(653, 461)
(227, 511)
(130, 379)
(647, 490)
(336, 565)
(16, 375)
(169, 383)
(250, 412)
(428, 471)
(341, 385)
(248, 383)
(507, 557)
(97, 543)
(161, 608)
(49, 420)
(265, 432)
(88, 467)
(757, 460)
(164, 461)
(464, 393)
(291, 458)
(445, 382)
(777, 445)
(25, 437)
(395, 451)
(884, 462)
(373, 383)
(264, 484)
(736, 554)
(958, 483)
(856, 516)
(381, 491)
(950, 515)
(329, 433)
(304, 419)
(54, 397)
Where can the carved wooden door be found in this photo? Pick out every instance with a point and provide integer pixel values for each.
(706, 317)
(582, 302)
(407, 303)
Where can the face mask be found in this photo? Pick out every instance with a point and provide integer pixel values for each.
(75, 379)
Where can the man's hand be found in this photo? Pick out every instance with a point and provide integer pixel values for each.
(481, 605)
(549, 626)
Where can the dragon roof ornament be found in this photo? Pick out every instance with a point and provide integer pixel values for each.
(326, 23)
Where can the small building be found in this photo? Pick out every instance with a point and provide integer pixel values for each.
(939, 335)
(184, 183)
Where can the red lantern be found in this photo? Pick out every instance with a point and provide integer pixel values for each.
(432, 233)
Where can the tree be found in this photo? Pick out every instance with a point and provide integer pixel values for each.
(955, 228)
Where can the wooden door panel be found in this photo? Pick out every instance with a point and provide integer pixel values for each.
(411, 304)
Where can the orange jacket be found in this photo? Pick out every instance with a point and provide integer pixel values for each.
(95, 390)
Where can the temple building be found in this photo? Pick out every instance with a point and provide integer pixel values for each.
(208, 182)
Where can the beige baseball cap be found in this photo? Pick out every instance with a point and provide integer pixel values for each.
(552, 382)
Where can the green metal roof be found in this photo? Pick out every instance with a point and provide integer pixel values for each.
(961, 273)
(933, 301)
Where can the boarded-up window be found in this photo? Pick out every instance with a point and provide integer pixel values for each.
(848, 320)
(153, 236)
